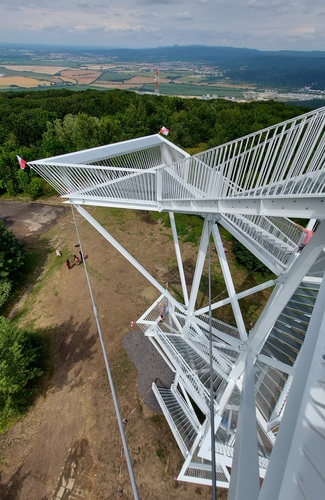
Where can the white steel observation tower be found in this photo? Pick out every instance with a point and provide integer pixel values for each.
(267, 384)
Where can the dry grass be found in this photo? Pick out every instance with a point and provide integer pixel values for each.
(51, 70)
(81, 76)
(23, 81)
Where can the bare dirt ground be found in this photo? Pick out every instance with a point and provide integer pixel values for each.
(68, 445)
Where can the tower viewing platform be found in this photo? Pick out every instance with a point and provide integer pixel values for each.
(264, 385)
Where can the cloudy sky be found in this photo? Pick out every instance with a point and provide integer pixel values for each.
(259, 24)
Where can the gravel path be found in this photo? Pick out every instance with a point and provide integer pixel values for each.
(29, 220)
(150, 366)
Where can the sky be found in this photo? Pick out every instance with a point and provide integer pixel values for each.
(256, 24)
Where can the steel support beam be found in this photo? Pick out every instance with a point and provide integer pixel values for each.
(229, 283)
(198, 269)
(296, 469)
(240, 295)
(306, 207)
(244, 480)
(179, 257)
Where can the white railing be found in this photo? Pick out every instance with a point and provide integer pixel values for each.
(189, 178)
(187, 408)
(142, 158)
(221, 365)
(288, 233)
(151, 317)
(201, 342)
(123, 171)
(263, 231)
(289, 230)
(219, 325)
(197, 390)
(278, 409)
(171, 423)
(99, 182)
(285, 159)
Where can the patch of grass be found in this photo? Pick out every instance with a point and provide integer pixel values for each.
(163, 216)
(161, 455)
(113, 216)
(46, 259)
(198, 149)
(189, 227)
(137, 450)
(121, 367)
(158, 420)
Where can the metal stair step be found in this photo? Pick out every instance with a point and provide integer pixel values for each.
(286, 338)
(307, 300)
(183, 424)
(292, 323)
(298, 334)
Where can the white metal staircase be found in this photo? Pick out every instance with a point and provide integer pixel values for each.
(250, 186)
(192, 366)
(182, 418)
(273, 240)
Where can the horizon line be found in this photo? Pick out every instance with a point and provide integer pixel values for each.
(100, 47)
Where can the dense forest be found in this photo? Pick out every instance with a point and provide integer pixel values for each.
(39, 124)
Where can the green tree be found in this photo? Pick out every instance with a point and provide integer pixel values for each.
(109, 131)
(12, 255)
(85, 132)
(248, 260)
(5, 289)
(21, 354)
(12, 259)
(22, 179)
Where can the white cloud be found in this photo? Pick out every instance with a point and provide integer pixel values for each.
(261, 24)
(87, 28)
(184, 15)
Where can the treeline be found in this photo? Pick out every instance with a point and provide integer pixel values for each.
(12, 260)
(21, 351)
(39, 124)
(21, 355)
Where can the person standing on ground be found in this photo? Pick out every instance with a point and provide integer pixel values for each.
(76, 260)
(68, 263)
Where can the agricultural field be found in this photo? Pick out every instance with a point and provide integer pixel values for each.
(189, 72)
(189, 82)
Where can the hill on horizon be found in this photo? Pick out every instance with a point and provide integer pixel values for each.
(282, 68)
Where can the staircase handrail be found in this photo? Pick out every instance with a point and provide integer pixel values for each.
(277, 151)
(217, 358)
(278, 408)
(190, 375)
(171, 422)
(268, 225)
(262, 231)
